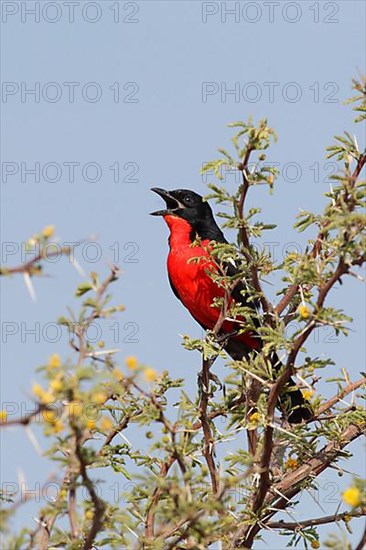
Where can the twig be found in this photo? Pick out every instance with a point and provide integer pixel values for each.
(362, 544)
(267, 307)
(28, 267)
(149, 526)
(345, 391)
(292, 290)
(27, 419)
(298, 525)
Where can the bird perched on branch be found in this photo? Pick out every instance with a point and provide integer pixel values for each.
(190, 219)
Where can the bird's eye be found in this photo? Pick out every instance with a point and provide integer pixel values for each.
(187, 200)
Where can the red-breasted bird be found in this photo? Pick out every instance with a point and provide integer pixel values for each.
(190, 219)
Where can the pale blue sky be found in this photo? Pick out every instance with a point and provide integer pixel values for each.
(168, 53)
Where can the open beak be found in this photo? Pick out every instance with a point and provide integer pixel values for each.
(171, 202)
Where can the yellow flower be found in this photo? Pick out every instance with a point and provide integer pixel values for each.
(62, 494)
(74, 409)
(57, 427)
(352, 496)
(90, 423)
(307, 394)
(131, 362)
(150, 375)
(54, 361)
(48, 231)
(44, 396)
(304, 311)
(54, 427)
(291, 464)
(51, 416)
(255, 417)
(47, 397)
(100, 344)
(105, 424)
(98, 397)
(37, 390)
(89, 514)
(315, 544)
(117, 374)
(56, 384)
(3, 416)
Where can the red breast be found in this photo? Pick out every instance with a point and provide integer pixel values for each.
(191, 280)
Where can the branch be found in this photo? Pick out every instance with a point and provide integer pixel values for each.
(267, 307)
(98, 503)
(292, 290)
(29, 267)
(26, 419)
(265, 482)
(205, 394)
(205, 422)
(298, 525)
(345, 391)
(149, 526)
(292, 483)
(119, 428)
(361, 545)
(83, 327)
(286, 299)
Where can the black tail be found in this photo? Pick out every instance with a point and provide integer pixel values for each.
(291, 403)
(294, 405)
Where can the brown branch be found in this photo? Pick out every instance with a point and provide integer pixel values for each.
(119, 428)
(345, 391)
(29, 267)
(81, 329)
(252, 435)
(362, 544)
(203, 423)
(149, 526)
(72, 508)
(286, 299)
(298, 525)
(207, 432)
(43, 532)
(292, 290)
(301, 339)
(292, 483)
(205, 395)
(28, 418)
(264, 483)
(98, 503)
(267, 307)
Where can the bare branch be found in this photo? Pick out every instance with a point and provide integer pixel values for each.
(298, 525)
(345, 391)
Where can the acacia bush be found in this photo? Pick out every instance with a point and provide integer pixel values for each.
(184, 495)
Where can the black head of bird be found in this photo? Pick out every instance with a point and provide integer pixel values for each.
(190, 206)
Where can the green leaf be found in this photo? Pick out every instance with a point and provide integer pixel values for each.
(82, 289)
